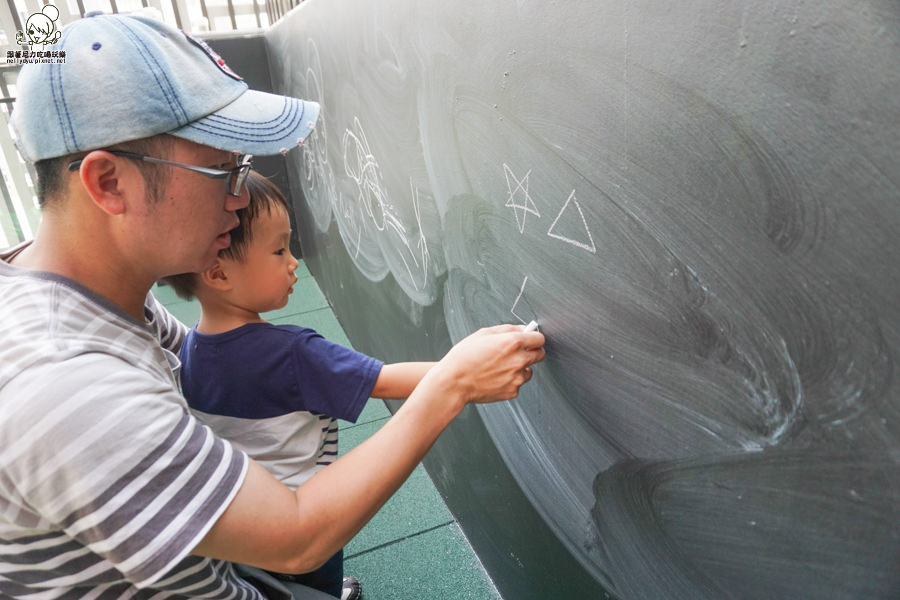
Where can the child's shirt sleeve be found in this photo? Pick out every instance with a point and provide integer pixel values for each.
(336, 380)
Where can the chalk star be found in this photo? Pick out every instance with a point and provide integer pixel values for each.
(518, 199)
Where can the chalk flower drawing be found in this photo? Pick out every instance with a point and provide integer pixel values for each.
(372, 230)
(361, 166)
(321, 191)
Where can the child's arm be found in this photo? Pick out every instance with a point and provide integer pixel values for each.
(269, 527)
(398, 380)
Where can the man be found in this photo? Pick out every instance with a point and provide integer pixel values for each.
(109, 488)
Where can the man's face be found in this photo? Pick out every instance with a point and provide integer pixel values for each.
(189, 223)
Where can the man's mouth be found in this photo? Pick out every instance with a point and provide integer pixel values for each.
(224, 239)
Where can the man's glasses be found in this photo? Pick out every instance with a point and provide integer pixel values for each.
(234, 178)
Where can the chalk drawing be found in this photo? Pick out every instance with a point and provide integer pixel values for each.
(373, 201)
(519, 298)
(519, 199)
(379, 236)
(421, 243)
(321, 189)
(320, 178)
(315, 151)
(362, 167)
(399, 230)
(590, 247)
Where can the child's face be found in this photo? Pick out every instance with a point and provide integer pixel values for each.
(263, 280)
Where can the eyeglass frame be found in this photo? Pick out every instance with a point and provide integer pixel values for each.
(234, 178)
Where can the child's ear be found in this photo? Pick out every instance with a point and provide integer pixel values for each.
(216, 277)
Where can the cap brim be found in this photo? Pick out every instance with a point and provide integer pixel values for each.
(255, 123)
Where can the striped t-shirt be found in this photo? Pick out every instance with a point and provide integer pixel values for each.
(106, 480)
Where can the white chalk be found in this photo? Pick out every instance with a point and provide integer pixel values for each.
(531, 327)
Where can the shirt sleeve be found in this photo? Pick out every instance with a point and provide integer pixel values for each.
(336, 380)
(169, 330)
(108, 454)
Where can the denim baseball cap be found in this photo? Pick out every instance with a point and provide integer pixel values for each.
(131, 77)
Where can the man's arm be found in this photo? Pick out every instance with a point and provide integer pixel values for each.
(398, 380)
(268, 526)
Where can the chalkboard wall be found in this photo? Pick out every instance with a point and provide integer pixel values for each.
(700, 204)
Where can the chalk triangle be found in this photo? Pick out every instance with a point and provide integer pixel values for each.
(571, 221)
(521, 309)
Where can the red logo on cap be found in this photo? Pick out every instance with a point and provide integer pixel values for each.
(218, 60)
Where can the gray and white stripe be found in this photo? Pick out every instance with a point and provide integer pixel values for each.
(107, 482)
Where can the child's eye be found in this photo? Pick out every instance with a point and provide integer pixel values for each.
(280, 251)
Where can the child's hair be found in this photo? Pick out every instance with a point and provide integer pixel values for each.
(264, 196)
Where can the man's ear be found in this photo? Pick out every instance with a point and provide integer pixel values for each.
(216, 277)
(107, 182)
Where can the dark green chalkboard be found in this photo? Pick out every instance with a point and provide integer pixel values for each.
(700, 204)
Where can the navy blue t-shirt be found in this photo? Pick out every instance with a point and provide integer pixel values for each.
(262, 370)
